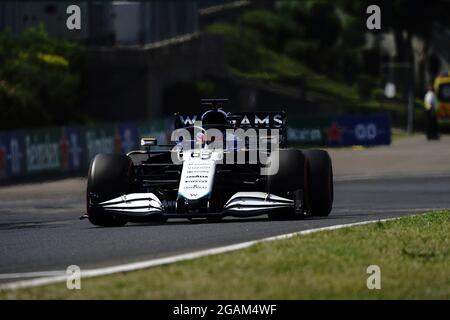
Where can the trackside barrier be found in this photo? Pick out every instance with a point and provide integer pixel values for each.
(32, 152)
(342, 130)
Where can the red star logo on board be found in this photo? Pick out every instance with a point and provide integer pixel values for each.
(334, 133)
(64, 146)
(117, 142)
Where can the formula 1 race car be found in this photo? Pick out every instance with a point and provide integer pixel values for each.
(219, 164)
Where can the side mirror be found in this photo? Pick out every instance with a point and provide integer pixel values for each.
(149, 142)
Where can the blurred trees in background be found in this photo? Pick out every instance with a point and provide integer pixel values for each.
(303, 43)
(323, 51)
(406, 19)
(317, 47)
(40, 79)
(329, 39)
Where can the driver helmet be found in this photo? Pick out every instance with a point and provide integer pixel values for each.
(214, 117)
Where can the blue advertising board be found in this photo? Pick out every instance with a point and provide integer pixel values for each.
(366, 130)
(129, 136)
(12, 154)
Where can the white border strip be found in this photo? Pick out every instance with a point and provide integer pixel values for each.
(172, 259)
(387, 176)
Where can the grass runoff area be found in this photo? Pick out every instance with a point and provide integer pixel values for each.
(412, 253)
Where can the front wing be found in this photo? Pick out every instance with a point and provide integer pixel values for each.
(241, 204)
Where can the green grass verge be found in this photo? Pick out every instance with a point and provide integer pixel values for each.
(412, 252)
(399, 134)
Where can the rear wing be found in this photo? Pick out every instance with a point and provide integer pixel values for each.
(244, 120)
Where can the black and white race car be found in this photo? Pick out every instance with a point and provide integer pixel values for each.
(219, 164)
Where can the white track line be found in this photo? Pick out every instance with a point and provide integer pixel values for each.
(32, 274)
(172, 259)
(364, 177)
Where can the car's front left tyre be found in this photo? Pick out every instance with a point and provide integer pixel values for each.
(320, 182)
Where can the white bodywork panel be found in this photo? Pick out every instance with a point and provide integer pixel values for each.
(196, 182)
(134, 203)
(197, 176)
(250, 201)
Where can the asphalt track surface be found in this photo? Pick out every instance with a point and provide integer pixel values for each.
(43, 232)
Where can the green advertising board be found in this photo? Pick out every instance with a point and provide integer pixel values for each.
(43, 149)
(103, 138)
(308, 130)
(157, 129)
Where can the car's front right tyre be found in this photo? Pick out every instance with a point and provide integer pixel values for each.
(109, 177)
(289, 181)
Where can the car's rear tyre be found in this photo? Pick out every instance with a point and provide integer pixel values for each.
(288, 182)
(110, 176)
(320, 182)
